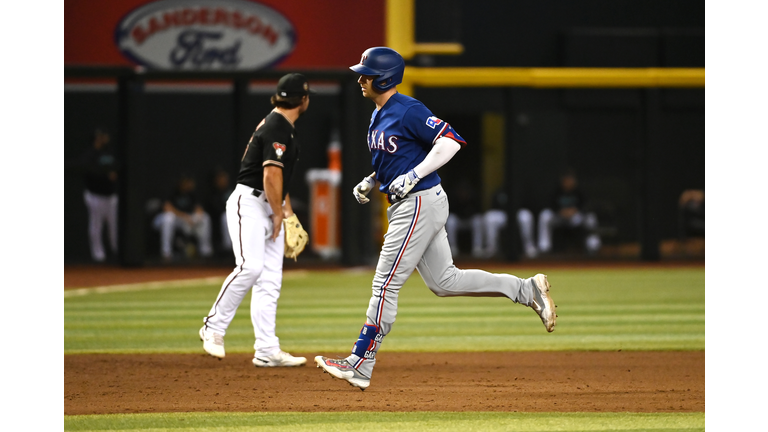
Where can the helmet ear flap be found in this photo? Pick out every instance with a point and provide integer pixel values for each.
(386, 64)
(383, 84)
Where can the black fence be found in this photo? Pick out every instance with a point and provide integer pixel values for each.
(635, 150)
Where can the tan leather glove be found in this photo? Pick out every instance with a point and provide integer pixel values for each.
(296, 238)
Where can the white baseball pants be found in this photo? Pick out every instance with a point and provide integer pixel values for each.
(494, 221)
(259, 267)
(548, 220)
(452, 226)
(168, 223)
(101, 209)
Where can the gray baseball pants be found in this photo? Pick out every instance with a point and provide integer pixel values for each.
(416, 239)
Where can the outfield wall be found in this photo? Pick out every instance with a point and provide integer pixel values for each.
(635, 149)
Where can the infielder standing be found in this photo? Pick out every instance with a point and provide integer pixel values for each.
(256, 211)
(100, 193)
(408, 144)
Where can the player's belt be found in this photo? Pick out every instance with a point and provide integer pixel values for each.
(258, 193)
(437, 189)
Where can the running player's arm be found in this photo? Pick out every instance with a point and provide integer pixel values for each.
(430, 130)
(442, 151)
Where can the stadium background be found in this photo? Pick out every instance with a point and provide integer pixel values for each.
(635, 149)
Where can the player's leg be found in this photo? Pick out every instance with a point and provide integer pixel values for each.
(202, 231)
(411, 228)
(95, 221)
(408, 233)
(444, 279)
(226, 241)
(525, 223)
(592, 242)
(112, 222)
(546, 222)
(494, 221)
(477, 236)
(248, 225)
(452, 226)
(166, 223)
(264, 296)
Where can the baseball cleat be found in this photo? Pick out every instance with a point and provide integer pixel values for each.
(341, 369)
(281, 359)
(542, 302)
(213, 343)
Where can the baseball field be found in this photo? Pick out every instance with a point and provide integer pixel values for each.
(627, 355)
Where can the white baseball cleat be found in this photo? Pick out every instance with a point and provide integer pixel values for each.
(213, 343)
(281, 359)
(341, 369)
(543, 303)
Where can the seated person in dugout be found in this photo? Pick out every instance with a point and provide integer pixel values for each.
(182, 211)
(566, 210)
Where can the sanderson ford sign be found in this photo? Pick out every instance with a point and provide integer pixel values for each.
(205, 35)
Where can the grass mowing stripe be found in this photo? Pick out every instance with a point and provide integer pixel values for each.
(599, 310)
(144, 286)
(388, 421)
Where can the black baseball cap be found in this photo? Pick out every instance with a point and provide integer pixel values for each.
(294, 84)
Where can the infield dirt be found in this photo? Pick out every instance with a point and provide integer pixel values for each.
(488, 381)
(577, 381)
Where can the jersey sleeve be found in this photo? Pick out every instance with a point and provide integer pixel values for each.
(275, 146)
(420, 122)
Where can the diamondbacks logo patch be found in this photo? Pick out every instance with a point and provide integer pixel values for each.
(433, 121)
(279, 149)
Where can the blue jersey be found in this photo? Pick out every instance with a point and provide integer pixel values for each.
(400, 136)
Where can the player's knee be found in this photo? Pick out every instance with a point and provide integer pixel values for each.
(524, 216)
(251, 270)
(442, 285)
(165, 218)
(440, 292)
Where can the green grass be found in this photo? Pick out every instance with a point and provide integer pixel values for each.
(323, 312)
(386, 421)
(599, 309)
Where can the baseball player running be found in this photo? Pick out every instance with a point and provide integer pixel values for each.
(257, 210)
(408, 144)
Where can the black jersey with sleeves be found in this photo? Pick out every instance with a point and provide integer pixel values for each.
(273, 143)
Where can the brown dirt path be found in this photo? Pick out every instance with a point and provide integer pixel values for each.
(490, 381)
(499, 381)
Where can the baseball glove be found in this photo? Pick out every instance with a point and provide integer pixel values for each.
(295, 237)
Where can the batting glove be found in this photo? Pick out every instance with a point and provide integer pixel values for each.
(403, 184)
(362, 190)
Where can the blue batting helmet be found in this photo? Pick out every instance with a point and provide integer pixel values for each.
(385, 64)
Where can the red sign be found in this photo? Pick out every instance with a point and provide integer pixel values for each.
(200, 34)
